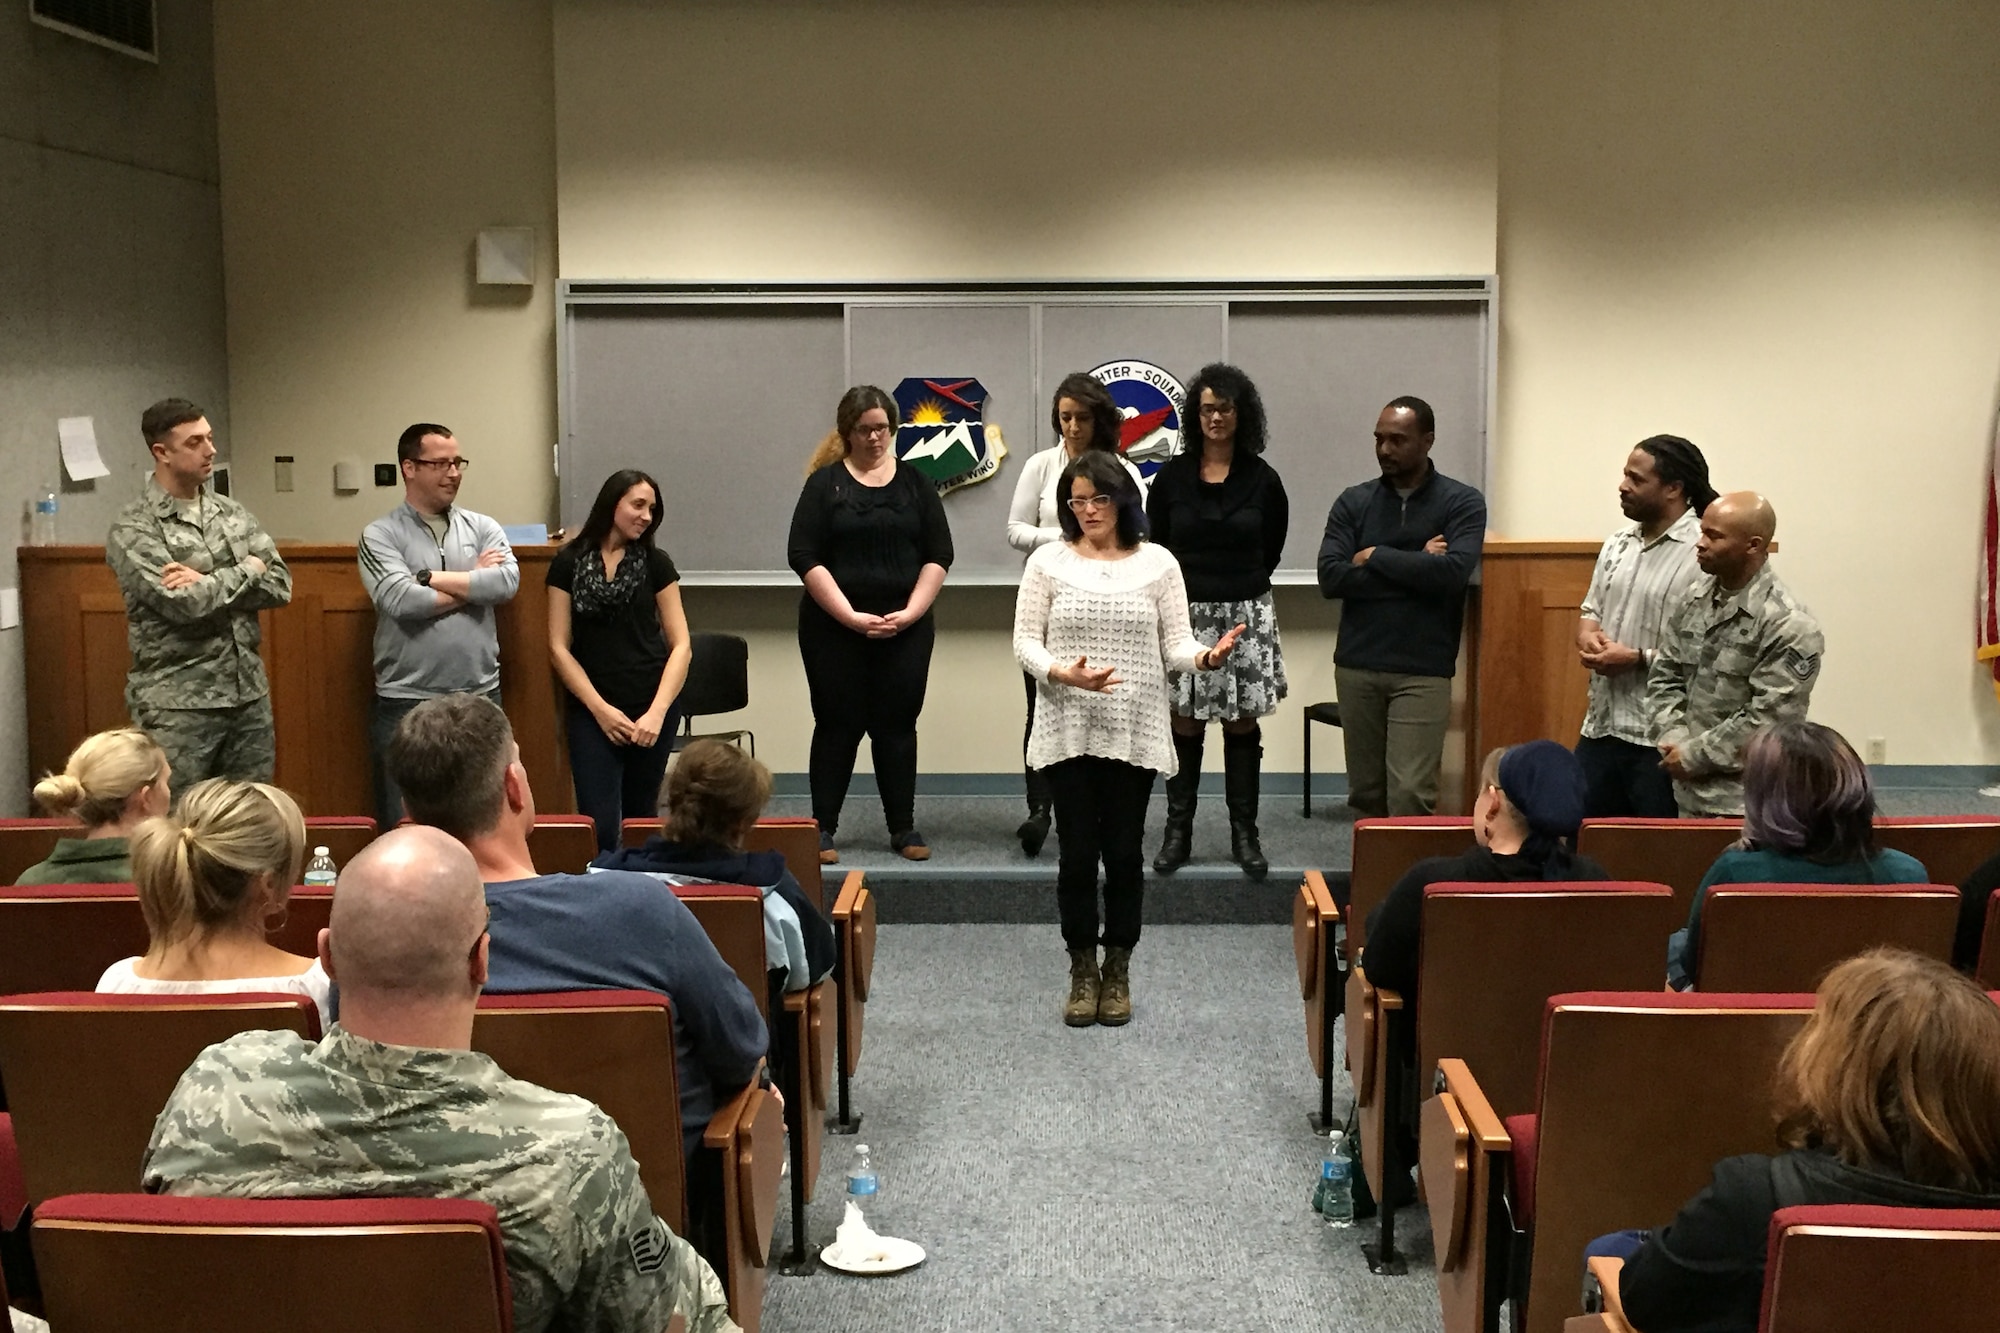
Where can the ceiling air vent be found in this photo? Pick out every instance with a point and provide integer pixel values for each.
(122, 25)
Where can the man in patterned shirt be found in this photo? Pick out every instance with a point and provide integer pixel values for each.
(395, 1103)
(195, 569)
(1640, 573)
(1738, 653)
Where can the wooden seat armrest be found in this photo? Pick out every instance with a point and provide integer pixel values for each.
(850, 894)
(731, 1118)
(1481, 1120)
(794, 1001)
(1322, 897)
(1388, 1000)
(1606, 1271)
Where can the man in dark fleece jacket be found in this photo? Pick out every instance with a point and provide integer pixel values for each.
(455, 761)
(1399, 552)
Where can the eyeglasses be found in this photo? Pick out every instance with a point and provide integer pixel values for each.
(870, 432)
(1218, 409)
(1079, 503)
(444, 464)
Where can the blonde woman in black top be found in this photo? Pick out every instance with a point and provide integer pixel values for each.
(870, 542)
(1221, 509)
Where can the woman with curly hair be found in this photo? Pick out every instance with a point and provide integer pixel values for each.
(1221, 510)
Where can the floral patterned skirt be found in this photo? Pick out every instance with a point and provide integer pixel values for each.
(1250, 680)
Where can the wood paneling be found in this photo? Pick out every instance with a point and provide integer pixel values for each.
(318, 652)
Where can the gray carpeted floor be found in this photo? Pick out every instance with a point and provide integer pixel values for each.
(1153, 1177)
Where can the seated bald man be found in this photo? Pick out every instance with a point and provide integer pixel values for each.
(1739, 652)
(393, 1102)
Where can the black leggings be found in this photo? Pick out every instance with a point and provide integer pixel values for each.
(864, 687)
(1100, 815)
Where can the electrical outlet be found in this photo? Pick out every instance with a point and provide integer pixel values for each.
(1878, 750)
(281, 469)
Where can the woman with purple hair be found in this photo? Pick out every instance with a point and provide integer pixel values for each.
(1808, 818)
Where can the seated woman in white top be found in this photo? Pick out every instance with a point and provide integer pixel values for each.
(210, 876)
(1100, 619)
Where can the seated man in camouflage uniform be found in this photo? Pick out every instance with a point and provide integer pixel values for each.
(1738, 652)
(195, 569)
(394, 1103)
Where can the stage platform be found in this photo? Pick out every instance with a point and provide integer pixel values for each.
(978, 873)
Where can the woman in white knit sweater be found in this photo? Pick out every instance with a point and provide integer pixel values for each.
(1083, 417)
(1101, 617)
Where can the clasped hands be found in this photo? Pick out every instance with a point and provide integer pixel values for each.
(1102, 680)
(881, 627)
(174, 576)
(1435, 546)
(1606, 656)
(643, 731)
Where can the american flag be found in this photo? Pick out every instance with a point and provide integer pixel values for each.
(1989, 567)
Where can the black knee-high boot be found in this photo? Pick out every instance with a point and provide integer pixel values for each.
(1182, 789)
(1242, 759)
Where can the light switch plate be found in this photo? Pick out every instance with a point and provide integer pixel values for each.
(281, 472)
(10, 608)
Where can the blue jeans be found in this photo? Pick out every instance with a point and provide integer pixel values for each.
(615, 782)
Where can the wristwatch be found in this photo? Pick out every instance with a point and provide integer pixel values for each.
(424, 577)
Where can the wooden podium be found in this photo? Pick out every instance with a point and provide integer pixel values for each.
(1523, 679)
(318, 653)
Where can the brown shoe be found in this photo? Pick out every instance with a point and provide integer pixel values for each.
(911, 846)
(1114, 996)
(827, 855)
(1081, 1011)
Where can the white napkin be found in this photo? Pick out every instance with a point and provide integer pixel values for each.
(855, 1243)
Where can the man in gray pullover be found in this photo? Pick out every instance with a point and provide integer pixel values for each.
(435, 572)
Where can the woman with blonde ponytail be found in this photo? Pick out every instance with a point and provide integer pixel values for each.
(112, 782)
(211, 877)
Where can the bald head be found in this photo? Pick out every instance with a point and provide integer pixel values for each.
(1736, 533)
(407, 915)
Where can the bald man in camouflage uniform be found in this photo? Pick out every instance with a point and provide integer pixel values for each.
(196, 568)
(393, 1102)
(1737, 653)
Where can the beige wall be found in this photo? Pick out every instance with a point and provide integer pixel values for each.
(1774, 229)
(364, 144)
(1771, 228)
(879, 140)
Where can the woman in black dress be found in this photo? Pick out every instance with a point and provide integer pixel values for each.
(1221, 509)
(870, 542)
(619, 642)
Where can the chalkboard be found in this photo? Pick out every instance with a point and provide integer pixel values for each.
(722, 392)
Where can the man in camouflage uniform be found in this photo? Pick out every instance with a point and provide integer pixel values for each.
(195, 569)
(394, 1102)
(1738, 653)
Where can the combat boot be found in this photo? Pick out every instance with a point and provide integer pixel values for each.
(1081, 1011)
(1243, 760)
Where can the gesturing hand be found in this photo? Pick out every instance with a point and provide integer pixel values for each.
(1083, 676)
(1222, 648)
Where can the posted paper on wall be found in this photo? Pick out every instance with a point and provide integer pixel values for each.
(79, 449)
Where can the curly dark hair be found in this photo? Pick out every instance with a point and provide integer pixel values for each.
(1107, 423)
(1232, 385)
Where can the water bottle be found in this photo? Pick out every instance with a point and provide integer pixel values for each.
(320, 871)
(43, 531)
(862, 1184)
(1333, 1198)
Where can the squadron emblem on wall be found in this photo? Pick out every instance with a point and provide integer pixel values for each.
(945, 434)
(1151, 401)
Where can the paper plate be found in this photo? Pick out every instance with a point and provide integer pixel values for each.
(898, 1255)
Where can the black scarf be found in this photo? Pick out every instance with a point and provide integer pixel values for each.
(595, 597)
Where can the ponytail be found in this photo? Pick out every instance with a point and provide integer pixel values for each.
(101, 776)
(202, 870)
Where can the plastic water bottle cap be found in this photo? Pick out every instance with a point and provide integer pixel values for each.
(321, 851)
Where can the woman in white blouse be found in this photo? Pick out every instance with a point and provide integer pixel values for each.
(211, 876)
(1083, 417)
(1101, 617)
